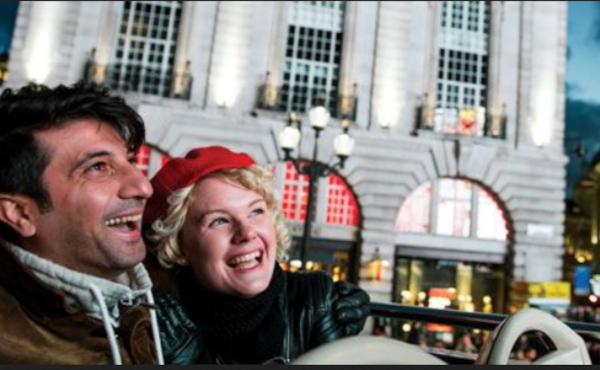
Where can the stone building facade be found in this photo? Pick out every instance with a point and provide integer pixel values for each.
(394, 76)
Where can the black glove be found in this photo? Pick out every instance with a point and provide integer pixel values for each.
(352, 307)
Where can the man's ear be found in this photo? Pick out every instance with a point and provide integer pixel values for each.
(18, 212)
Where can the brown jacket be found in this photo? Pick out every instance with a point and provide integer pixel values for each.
(37, 326)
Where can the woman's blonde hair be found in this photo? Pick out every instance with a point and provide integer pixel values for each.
(165, 233)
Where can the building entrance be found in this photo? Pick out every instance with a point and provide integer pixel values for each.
(443, 283)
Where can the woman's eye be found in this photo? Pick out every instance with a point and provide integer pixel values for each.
(258, 211)
(218, 222)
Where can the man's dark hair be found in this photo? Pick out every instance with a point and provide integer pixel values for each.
(35, 108)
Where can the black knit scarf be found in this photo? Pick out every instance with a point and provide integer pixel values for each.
(237, 329)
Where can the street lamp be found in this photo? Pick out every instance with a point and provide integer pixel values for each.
(289, 138)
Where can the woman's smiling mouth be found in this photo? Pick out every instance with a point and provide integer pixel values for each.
(246, 261)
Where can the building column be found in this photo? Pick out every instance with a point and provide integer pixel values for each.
(231, 51)
(106, 40)
(360, 23)
(181, 67)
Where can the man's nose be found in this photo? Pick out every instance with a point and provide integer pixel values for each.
(135, 184)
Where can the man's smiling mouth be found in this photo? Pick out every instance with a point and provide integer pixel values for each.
(117, 221)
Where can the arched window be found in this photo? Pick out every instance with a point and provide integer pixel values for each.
(453, 207)
(415, 213)
(335, 216)
(149, 159)
(341, 207)
(295, 194)
(341, 204)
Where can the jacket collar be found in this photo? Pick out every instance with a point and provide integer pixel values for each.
(76, 285)
(38, 297)
(35, 296)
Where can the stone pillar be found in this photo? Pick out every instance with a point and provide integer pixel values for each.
(181, 68)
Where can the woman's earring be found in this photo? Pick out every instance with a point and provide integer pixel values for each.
(182, 261)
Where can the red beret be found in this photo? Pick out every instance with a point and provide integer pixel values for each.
(180, 173)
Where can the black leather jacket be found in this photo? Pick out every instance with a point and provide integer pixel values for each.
(306, 302)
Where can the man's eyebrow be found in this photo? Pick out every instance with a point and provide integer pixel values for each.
(89, 156)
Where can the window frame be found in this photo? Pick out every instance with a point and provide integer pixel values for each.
(462, 73)
(477, 191)
(154, 60)
(293, 57)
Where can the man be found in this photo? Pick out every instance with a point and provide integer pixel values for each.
(72, 286)
(73, 289)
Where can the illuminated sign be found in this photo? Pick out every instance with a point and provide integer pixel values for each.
(464, 121)
(540, 231)
(441, 297)
(581, 284)
(554, 289)
(555, 292)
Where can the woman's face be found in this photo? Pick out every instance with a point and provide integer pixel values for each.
(228, 238)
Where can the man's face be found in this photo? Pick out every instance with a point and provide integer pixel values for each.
(98, 197)
(229, 239)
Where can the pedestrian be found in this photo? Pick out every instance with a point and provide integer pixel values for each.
(214, 222)
(73, 289)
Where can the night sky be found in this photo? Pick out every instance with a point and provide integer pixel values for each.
(583, 87)
(583, 81)
(8, 12)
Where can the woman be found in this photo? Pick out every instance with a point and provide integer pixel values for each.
(214, 220)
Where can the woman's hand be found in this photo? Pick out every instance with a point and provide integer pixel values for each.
(351, 308)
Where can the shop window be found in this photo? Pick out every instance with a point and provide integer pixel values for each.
(333, 257)
(440, 283)
(447, 284)
(149, 159)
(453, 207)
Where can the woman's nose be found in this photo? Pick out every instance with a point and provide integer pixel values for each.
(245, 232)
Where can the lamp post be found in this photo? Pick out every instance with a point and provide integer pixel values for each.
(289, 138)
